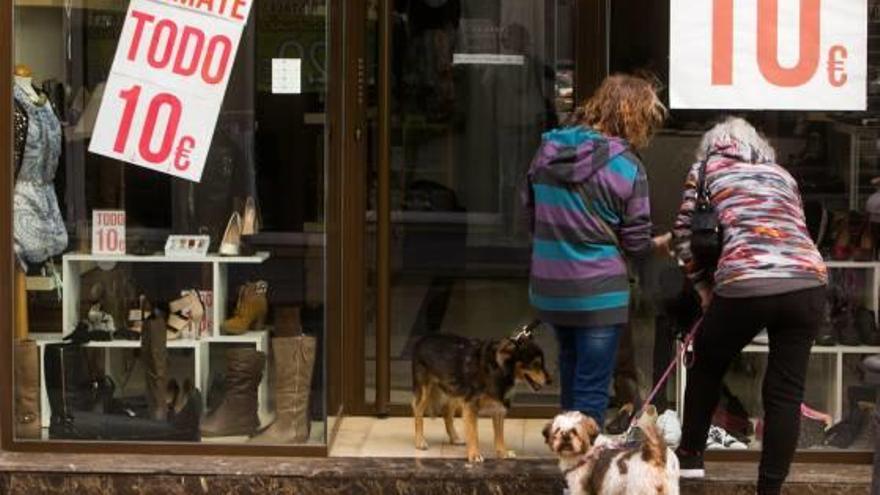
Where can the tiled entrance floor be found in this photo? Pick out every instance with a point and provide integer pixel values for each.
(393, 437)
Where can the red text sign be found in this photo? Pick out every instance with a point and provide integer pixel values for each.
(769, 54)
(167, 83)
(108, 232)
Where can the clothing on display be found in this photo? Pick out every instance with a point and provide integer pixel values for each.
(39, 229)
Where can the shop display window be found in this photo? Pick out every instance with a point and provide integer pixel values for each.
(151, 308)
(834, 157)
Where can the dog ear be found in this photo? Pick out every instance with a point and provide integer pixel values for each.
(548, 429)
(590, 427)
(505, 351)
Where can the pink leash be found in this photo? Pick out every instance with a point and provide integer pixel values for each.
(679, 354)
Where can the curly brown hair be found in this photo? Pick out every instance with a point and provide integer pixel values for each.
(624, 106)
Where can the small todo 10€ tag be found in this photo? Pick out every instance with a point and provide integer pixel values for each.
(108, 232)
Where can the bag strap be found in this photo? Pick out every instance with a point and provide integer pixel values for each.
(703, 198)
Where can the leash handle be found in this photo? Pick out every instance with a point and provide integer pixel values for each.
(680, 353)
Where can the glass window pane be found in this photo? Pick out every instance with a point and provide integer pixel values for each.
(833, 156)
(151, 308)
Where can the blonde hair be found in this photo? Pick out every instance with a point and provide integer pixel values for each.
(626, 107)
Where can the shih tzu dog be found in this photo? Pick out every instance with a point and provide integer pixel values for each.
(647, 469)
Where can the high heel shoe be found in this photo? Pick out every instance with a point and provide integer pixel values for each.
(250, 220)
(231, 243)
(186, 314)
(250, 310)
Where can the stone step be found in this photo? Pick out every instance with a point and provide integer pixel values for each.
(33, 474)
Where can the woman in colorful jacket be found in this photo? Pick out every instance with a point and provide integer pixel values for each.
(588, 206)
(770, 275)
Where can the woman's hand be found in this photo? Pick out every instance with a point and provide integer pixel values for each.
(705, 293)
(662, 244)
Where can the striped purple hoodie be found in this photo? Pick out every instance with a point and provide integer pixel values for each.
(578, 275)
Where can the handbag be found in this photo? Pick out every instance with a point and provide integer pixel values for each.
(706, 234)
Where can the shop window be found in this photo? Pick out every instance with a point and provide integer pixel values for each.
(150, 307)
(834, 157)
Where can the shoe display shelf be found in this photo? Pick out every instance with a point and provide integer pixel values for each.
(836, 353)
(74, 265)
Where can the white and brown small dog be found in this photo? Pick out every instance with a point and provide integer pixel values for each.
(648, 469)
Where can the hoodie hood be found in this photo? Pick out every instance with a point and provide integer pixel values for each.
(574, 154)
(730, 147)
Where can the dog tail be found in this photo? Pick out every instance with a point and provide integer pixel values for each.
(654, 447)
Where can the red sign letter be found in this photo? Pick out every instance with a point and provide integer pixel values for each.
(768, 43)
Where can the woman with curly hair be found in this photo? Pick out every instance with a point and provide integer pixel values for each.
(589, 213)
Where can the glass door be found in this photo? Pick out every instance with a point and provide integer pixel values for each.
(458, 93)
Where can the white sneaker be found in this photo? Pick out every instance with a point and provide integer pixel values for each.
(719, 439)
(670, 428)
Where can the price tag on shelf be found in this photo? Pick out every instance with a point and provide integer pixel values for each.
(167, 83)
(108, 232)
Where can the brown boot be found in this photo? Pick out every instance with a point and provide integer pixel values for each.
(237, 414)
(294, 362)
(27, 390)
(251, 309)
(288, 322)
(155, 357)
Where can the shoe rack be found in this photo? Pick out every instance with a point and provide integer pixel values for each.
(75, 265)
(833, 355)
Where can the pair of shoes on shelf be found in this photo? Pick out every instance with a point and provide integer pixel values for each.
(240, 225)
(853, 238)
(185, 315)
(856, 430)
(250, 310)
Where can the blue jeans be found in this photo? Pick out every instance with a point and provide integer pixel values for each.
(586, 365)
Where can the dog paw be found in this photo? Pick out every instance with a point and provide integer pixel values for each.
(422, 444)
(506, 454)
(475, 458)
(456, 441)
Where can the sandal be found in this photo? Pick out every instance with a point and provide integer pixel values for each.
(186, 315)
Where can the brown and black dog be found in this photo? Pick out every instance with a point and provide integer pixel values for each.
(452, 374)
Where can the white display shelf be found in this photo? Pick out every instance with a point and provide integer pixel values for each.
(74, 265)
(159, 258)
(867, 265)
(820, 349)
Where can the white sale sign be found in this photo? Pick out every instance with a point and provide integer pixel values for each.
(769, 54)
(167, 83)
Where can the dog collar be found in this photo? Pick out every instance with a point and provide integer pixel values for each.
(592, 455)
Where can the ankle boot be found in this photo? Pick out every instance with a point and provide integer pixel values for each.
(155, 357)
(251, 309)
(294, 362)
(27, 389)
(288, 322)
(237, 414)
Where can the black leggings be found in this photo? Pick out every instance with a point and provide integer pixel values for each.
(792, 322)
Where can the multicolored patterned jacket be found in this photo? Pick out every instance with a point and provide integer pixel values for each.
(760, 210)
(578, 273)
